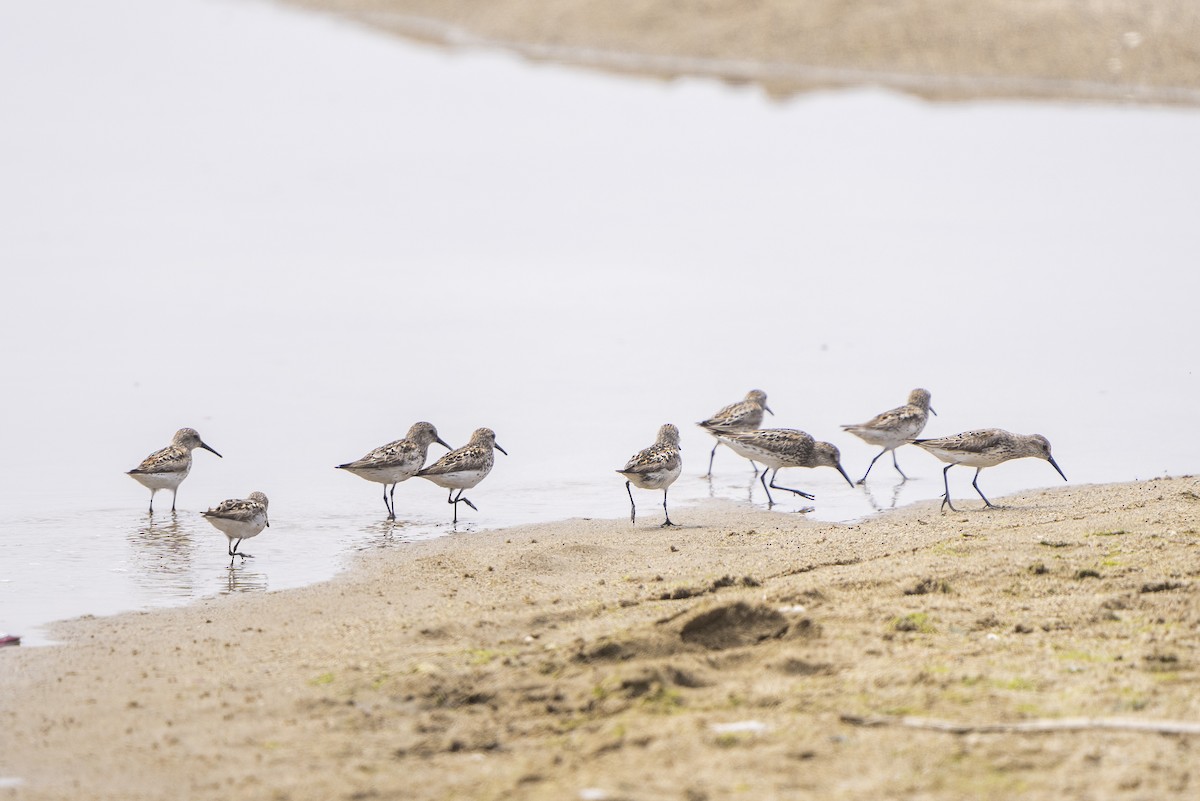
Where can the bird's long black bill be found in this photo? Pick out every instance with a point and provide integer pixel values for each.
(500, 449)
(843, 472)
(1054, 464)
(210, 450)
(768, 409)
(931, 411)
(442, 442)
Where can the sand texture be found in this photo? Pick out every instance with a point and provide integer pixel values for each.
(1108, 50)
(737, 655)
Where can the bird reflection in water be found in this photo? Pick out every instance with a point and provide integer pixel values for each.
(383, 534)
(163, 547)
(239, 579)
(876, 505)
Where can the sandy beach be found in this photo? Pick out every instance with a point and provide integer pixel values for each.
(740, 654)
(1046, 649)
(1117, 50)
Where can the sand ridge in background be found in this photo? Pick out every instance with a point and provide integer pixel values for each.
(1104, 50)
(708, 661)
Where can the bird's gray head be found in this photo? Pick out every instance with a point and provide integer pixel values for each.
(187, 437)
(919, 398)
(424, 434)
(487, 438)
(259, 497)
(759, 397)
(190, 439)
(1039, 446)
(668, 434)
(826, 454)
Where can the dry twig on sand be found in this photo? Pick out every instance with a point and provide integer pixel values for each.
(1030, 726)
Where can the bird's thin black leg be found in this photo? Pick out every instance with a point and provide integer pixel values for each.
(174, 495)
(896, 465)
(977, 489)
(151, 501)
(712, 456)
(789, 489)
(946, 482)
(392, 511)
(391, 514)
(459, 499)
(863, 480)
(763, 479)
(632, 505)
(668, 516)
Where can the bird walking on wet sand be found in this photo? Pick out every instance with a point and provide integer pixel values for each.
(465, 467)
(745, 415)
(397, 461)
(239, 519)
(654, 468)
(777, 448)
(985, 447)
(893, 428)
(167, 468)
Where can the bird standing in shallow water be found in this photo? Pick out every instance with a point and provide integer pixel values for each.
(239, 519)
(985, 447)
(653, 468)
(745, 415)
(167, 468)
(397, 461)
(784, 447)
(465, 467)
(893, 428)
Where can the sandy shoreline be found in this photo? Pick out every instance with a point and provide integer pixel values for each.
(589, 655)
(1121, 50)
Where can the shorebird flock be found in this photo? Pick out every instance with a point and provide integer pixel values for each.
(242, 518)
(737, 427)
(657, 467)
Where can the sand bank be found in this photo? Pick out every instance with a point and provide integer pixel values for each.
(1116, 50)
(595, 659)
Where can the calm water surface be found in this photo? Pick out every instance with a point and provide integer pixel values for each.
(299, 237)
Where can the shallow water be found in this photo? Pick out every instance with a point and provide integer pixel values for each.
(301, 249)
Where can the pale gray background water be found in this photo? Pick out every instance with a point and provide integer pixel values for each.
(300, 237)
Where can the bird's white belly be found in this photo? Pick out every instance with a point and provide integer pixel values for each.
(158, 481)
(884, 438)
(968, 458)
(385, 475)
(658, 479)
(462, 479)
(239, 529)
(755, 454)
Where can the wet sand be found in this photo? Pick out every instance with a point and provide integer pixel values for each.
(1119, 50)
(735, 655)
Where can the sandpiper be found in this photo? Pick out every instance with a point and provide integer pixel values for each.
(653, 468)
(167, 468)
(784, 447)
(985, 447)
(397, 461)
(463, 468)
(239, 519)
(745, 415)
(893, 428)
